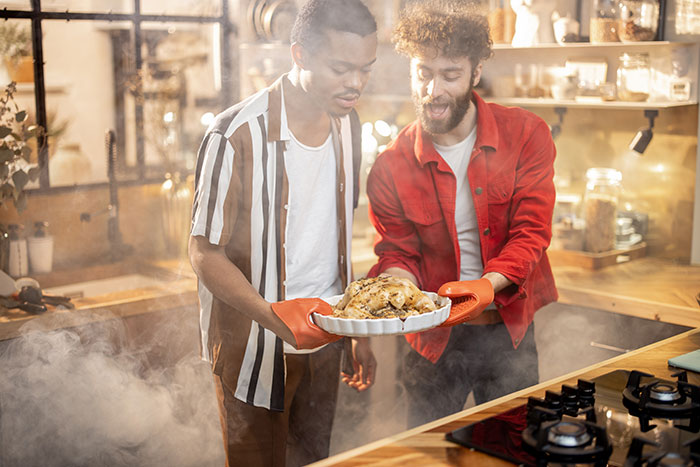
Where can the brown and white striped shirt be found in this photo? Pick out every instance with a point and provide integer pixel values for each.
(240, 202)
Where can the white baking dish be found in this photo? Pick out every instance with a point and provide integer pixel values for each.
(384, 326)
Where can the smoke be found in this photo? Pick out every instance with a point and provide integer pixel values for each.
(85, 397)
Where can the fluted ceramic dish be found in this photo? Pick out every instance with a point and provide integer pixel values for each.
(384, 326)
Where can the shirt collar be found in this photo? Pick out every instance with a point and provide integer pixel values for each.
(486, 134)
(277, 128)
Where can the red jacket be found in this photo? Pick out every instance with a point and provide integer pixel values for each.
(411, 191)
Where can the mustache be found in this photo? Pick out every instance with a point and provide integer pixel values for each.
(438, 101)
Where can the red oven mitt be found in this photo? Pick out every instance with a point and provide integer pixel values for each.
(469, 299)
(296, 314)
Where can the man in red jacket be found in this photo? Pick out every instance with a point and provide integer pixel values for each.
(462, 201)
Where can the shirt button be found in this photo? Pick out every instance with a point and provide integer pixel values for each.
(286, 206)
(517, 341)
(478, 190)
(487, 231)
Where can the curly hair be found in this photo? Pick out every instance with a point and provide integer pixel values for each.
(318, 16)
(454, 28)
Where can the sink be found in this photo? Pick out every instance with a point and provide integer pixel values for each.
(99, 287)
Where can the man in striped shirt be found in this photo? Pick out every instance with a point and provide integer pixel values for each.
(276, 185)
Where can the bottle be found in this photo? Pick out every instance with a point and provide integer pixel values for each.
(17, 261)
(40, 246)
(634, 77)
(604, 22)
(603, 186)
(639, 20)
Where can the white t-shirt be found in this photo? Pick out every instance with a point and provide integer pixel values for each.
(311, 248)
(457, 157)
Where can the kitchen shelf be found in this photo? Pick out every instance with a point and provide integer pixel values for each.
(549, 102)
(588, 45)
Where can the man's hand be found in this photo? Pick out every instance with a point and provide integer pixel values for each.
(363, 363)
(296, 315)
(469, 299)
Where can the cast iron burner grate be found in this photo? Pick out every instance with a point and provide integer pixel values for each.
(660, 458)
(663, 399)
(557, 433)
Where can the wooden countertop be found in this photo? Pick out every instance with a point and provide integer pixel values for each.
(425, 445)
(178, 289)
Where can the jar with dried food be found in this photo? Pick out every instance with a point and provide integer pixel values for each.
(603, 187)
(634, 77)
(639, 20)
(604, 22)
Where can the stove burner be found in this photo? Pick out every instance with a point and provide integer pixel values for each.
(569, 434)
(567, 441)
(663, 399)
(664, 392)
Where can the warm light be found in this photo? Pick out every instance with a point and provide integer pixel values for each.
(658, 168)
(369, 143)
(382, 127)
(206, 119)
(367, 128)
(169, 117)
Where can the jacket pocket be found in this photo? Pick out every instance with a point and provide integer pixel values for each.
(423, 213)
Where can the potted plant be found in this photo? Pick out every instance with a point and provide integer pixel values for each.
(16, 50)
(15, 152)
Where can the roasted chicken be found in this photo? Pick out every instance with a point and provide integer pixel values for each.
(382, 297)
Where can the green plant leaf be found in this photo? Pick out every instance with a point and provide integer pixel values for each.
(21, 202)
(34, 173)
(4, 131)
(6, 191)
(21, 116)
(20, 179)
(6, 155)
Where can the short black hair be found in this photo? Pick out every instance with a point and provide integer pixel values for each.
(318, 16)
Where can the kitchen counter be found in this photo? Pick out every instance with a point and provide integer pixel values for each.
(177, 289)
(425, 445)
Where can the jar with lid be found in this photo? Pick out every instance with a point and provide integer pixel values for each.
(603, 186)
(634, 77)
(604, 21)
(639, 20)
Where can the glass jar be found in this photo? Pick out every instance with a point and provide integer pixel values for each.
(604, 21)
(603, 186)
(639, 20)
(633, 77)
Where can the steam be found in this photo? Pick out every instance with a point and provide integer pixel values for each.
(78, 397)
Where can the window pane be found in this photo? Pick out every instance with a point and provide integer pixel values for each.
(17, 5)
(180, 85)
(17, 64)
(89, 6)
(181, 7)
(80, 98)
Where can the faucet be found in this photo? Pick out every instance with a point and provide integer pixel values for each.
(118, 249)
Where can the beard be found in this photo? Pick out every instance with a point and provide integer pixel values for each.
(457, 107)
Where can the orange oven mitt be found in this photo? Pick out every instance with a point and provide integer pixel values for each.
(296, 314)
(469, 299)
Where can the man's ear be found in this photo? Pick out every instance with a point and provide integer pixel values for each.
(298, 55)
(476, 74)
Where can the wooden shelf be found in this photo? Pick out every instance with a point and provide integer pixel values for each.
(588, 45)
(596, 260)
(549, 102)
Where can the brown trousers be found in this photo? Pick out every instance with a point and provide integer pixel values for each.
(255, 436)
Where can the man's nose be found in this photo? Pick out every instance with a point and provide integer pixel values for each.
(354, 80)
(434, 88)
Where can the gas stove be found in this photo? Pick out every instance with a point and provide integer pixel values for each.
(629, 419)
